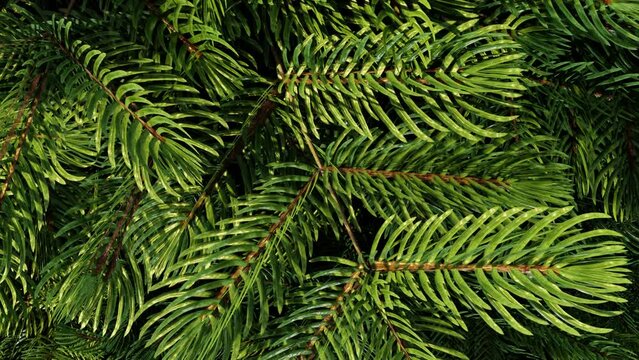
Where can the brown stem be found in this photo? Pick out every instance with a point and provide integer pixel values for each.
(390, 266)
(118, 249)
(67, 11)
(260, 118)
(463, 180)
(399, 341)
(349, 288)
(192, 48)
(236, 275)
(108, 91)
(21, 141)
(342, 215)
(16, 122)
(123, 222)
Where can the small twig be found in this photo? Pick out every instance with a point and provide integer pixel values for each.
(125, 218)
(236, 276)
(389, 174)
(192, 48)
(391, 266)
(630, 148)
(67, 11)
(16, 122)
(342, 215)
(349, 288)
(399, 341)
(21, 141)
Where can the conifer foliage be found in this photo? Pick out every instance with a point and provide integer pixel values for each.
(319, 179)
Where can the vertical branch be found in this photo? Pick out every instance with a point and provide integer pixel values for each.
(16, 122)
(116, 254)
(349, 288)
(21, 141)
(262, 114)
(131, 203)
(342, 215)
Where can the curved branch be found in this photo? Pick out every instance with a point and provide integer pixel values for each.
(262, 114)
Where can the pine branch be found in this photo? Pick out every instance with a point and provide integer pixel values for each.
(393, 331)
(106, 90)
(262, 114)
(21, 141)
(236, 275)
(16, 122)
(132, 204)
(192, 48)
(339, 74)
(389, 174)
(351, 286)
(391, 266)
(342, 215)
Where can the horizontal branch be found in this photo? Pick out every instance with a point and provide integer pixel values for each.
(390, 266)
(108, 91)
(192, 48)
(389, 174)
(381, 80)
(236, 276)
(348, 288)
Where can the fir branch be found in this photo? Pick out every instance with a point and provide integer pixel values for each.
(261, 245)
(22, 140)
(16, 122)
(389, 174)
(262, 114)
(393, 331)
(132, 204)
(391, 266)
(192, 48)
(106, 90)
(342, 215)
(340, 74)
(351, 286)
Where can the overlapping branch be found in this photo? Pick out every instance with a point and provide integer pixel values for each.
(351, 286)
(261, 245)
(262, 114)
(132, 204)
(192, 48)
(107, 91)
(22, 140)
